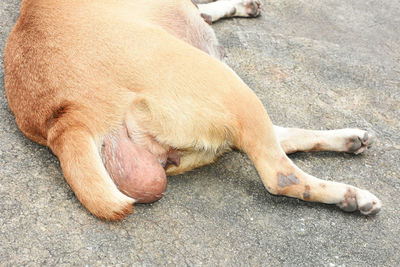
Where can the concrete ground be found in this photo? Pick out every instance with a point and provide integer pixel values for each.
(320, 64)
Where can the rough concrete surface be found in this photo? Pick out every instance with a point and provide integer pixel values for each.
(320, 64)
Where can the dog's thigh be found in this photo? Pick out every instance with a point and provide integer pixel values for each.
(198, 128)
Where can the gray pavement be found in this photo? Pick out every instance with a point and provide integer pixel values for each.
(320, 64)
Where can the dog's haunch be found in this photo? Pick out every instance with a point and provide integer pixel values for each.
(135, 171)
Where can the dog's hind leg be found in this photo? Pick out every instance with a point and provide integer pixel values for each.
(225, 9)
(342, 140)
(280, 176)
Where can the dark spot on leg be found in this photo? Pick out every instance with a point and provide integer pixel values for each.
(317, 147)
(284, 180)
(322, 185)
(293, 179)
(306, 194)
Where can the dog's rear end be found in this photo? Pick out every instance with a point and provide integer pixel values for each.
(121, 91)
(73, 70)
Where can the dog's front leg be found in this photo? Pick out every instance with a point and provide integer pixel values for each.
(342, 140)
(229, 8)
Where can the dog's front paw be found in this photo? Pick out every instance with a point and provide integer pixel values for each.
(358, 199)
(247, 8)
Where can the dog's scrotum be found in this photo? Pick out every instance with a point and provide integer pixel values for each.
(136, 172)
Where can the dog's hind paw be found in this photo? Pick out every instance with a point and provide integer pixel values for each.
(359, 141)
(358, 199)
(247, 8)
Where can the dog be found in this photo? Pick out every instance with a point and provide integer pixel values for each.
(126, 92)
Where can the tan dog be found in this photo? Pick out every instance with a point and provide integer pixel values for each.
(125, 92)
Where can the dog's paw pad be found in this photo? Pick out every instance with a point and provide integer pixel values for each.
(359, 142)
(349, 205)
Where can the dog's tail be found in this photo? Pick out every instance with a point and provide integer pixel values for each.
(75, 147)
